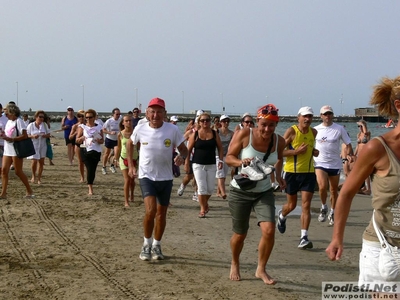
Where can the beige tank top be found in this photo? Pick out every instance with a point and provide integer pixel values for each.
(386, 202)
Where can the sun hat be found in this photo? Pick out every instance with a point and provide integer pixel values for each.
(157, 102)
(199, 112)
(174, 119)
(70, 107)
(246, 114)
(305, 110)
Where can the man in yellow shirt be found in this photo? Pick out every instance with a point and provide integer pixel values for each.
(299, 172)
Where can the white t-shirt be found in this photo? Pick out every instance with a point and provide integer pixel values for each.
(112, 125)
(12, 133)
(142, 121)
(156, 144)
(328, 141)
(91, 133)
(40, 143)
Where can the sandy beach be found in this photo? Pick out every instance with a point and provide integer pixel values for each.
(65, 244)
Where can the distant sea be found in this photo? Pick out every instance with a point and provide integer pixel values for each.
(375, 128)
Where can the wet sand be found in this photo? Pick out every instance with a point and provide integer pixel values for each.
(65, 244)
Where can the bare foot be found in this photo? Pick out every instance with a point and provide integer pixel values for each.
(51, 163)
(235, 273)
(39, 181)
(126, 204)
(265, 277)
(33, 180)
(82, 180)
(131, 200)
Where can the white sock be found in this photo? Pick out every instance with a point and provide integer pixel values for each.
(332, 211)
(282, 217)
(148, 241)
(304, 232)
(155, 242)
(324, 206)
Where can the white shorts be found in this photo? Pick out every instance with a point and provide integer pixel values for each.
(369, 263)
(205, 178)
(223, 172)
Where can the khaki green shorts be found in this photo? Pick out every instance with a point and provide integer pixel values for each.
(241, 203)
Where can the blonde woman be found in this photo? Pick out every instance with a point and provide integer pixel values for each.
(204, 142)
(38, 131)
(124, 135)
(379, 159)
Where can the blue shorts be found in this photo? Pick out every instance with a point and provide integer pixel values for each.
(296, 182)
(160, 189)
(330, 172)
(110, 144)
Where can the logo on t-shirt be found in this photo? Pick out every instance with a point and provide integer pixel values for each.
(167, 143)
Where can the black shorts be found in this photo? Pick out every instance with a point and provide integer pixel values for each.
(110, 144)
(68, 141)
(330, 172)
(160, 189)
(296, 182)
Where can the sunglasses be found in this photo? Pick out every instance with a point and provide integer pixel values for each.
(205, 120)
(117, 114)
(249, 122)
(80, 116)
(89, 117)
(267, 111)
(328, 113)
(41, 117)
(70, 109)
(359, 126)
(135, 111)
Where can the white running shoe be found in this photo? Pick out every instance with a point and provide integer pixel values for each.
(112, 168)
(267, 169)
(322, 215)
(195, 198)
(252, 173)
(104, 170)
(181, 189)
(331, 219)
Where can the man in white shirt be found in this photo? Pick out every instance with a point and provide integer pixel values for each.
(3, 122)
(329, 163)
(156, 139)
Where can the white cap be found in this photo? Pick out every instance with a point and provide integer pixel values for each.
(199, 112)
(246, 114)
(326, 108)
(174, 119)
(70, 107)
(223, 117)
(305, 110)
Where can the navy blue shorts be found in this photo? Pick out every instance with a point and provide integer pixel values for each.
(110, 143)
(331, 172)
(160, 189)
(300, 182)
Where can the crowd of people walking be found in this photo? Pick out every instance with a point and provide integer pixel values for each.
(304, 159)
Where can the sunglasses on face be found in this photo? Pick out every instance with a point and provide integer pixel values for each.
(204, 120)
(70, 110)
(328, 113)
(41, 117)
(135, 111)
(249, 122)
(89, 117)
(80, 116)
(267, 111)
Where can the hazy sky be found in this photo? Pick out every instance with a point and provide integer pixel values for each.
(196, 54)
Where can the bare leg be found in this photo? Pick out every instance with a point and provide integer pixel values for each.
(305, 218)
(264, 251)
(33, 170)
(40, 170)
(18, 162)
(237, 242)
(150, 203)
(126, 186)
(322, 179)
(334, 187)
(7, 160)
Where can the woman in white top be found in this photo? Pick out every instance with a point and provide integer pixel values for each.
(10, 157)
(38, 131)
(91, 136)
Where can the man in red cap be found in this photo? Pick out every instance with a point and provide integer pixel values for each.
(157, 139)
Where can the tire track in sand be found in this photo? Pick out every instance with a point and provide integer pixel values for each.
(136, 294)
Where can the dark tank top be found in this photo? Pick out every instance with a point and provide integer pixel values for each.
(204, 150)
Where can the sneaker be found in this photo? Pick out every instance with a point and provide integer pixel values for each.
(281, 224)
(275, 186)
(331, 219)
(156, 253)
(104, 171)
(195, 198)
(181, 189)
(112, 168)
(253, 173)
(322, 215)
(145, 254)
(267, 169)
(305, 243)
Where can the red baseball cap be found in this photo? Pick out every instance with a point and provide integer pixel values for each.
(157, 102)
